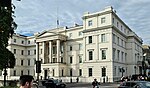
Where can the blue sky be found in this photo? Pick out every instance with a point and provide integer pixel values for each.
(39, 15)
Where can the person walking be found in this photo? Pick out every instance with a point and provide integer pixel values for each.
(95, 83)
(26, 81)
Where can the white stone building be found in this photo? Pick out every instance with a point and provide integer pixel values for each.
(100, 48)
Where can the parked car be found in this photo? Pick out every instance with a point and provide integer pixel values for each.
(135, 84)
(54, 83)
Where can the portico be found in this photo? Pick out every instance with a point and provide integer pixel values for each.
(50, 50)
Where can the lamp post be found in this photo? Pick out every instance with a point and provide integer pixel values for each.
(143, 64)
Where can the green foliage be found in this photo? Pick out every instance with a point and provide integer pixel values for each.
(7, 27)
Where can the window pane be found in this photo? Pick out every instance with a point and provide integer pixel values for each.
(103, 71)
(90, 39)
(90, 71)
(90, 55)
(103, 54)
(90, 23)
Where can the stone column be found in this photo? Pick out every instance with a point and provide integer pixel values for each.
(50, 51)
(58, 50)
(43, 52)
(37, 51)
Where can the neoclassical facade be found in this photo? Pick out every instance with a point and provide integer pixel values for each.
(103, 47)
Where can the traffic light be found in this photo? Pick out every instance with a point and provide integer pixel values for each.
(38, 66)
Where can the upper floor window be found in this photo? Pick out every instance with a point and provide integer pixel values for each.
(14, 72)
(80, 72)
(103, 37)
(70, 48)
(21, 62)
(80, 33)
(114, 53)
(80, 59)
(28, 62)
(90, 55)
(29, 42)
(22, 42)
(103, 54)
(34, 51)
(22, 52)
(14, 51)
(70, 72)
(28, 52)
(90, 72)
(117, 24)
(90, 23)
(21, 72)
(70, 59)
(118, 53)
(103, 20)
(70, 34)
(80, 46)
(90, 39)
(15, 40)
(114, 38)
(113, 20)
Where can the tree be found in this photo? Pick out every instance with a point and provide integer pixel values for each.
(7, 27)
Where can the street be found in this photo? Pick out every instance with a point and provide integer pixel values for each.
(88, 85)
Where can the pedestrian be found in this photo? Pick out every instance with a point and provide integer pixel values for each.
(95, 83)
(26, 81)
(77, 79)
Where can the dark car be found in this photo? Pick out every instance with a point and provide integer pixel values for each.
(135, 84)
(54, 83)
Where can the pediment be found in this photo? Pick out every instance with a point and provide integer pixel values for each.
(47, 33)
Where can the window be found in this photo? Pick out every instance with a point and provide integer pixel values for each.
(80, 72)
(21, 62)
(70, 48)
(22, 52)
(34, 51)
(115, 71)
(53, 72)
(80, 33)
(121, 42)
(103, 54)
(14, 51)
(90, 23)
(103, 20)
(117, 24)
(80, 46)
(114, 53)
(61, 59)
(118, 40)
(28, 62)
(22, 42)
(90, 39)
(29, 42)
(53, 49)
(90, 55)
(80, 59)
(118, 52)
(28, 52)
(70, 35)
(114, 38)
(103, 37)
(122, 54)
(28, 72)
(71, 59)
(103, 72)
(15, 40)
(113, 20)
(14, 72)
(121, 27)
(62, 72)
(70, 72)
(90, 72)
(21, 72)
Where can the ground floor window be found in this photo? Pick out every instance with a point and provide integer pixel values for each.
(90, 72)
(103, 71)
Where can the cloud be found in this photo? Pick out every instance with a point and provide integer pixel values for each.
(38, 15)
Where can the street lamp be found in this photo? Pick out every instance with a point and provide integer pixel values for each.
(143, 64)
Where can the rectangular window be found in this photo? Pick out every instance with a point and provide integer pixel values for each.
(14, 51)
(70, 48)
(70, 72)
(90, 23)
(114, 53)
(114, 38)
(28, 62)
(22, 42)
(118, 40)
(70, 35)
(14, 72)
(22, 52)
(118, 52)
(70, 59)
(21, 72)
(80, 46)
(21, 62)
(80, 59)
(90, 72)
(53, 52)
(53, 72)
(15, 40)
(103, 37)
(103, 54)
(29, 42)
(121, 27)
(28, 72)
(117, 24)
(80, 33)
(122, 54)
(90, 55)
(80, 72)
(115, 71)
(28, 52)
(103, 72)
(62, 72)
(113, 20)
(103, 20)
(90, 39)
(34, 51)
